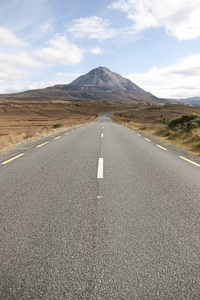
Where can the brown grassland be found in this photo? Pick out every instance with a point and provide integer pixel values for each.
(22, 121)
(175, 124)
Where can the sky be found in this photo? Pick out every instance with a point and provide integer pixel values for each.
(154, 43)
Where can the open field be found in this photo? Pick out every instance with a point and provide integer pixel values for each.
(22, 120)
(157, 120)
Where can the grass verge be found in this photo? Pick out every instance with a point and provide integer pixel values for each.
(182, 131)
(24, 121)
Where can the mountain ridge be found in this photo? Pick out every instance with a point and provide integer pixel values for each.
(99, 84)
(188, 101)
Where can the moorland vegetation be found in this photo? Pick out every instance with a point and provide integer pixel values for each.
(179, 124)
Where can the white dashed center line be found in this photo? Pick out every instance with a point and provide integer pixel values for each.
(147, 140)
(102, 135)
(58, 137)
(100, 168)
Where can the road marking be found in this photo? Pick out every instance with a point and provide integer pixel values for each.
(73, 130)
(161, 147)
(67, 133)
(138, 134)
(133, 131)
(147, 140)
(190, 161)
(99, 197)
(15, 157)
(102, 135)
(100, 168)
(58, 137)
(42, 144)
(102, 127)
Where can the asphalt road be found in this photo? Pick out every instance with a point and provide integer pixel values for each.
(99, 213)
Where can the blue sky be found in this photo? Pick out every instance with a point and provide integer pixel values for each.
(155, 43)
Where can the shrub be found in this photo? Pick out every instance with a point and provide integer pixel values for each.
(57, 125)
(45, 128)
(169, 133)
(163, 121)
(191, 125)
(160, 132)
(184, 119)
(197, 147)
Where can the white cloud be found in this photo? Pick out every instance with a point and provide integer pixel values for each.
(46, 27)
(92, 28)
(68, 74)
(19, 59)
(97, 51)
(180, 18)
(60, 51)
(13, 67)
(39, 85)
(179, 80)
(12, 88)
(9, 74)
(7, 38)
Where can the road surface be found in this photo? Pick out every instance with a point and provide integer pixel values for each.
(100, 212)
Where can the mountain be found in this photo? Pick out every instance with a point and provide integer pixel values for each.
(99, 84)
(102, 80)
(190, 101)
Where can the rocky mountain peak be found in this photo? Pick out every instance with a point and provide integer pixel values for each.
(102, 77)
(103, 80)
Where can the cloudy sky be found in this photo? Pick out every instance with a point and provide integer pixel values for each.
(155, 43)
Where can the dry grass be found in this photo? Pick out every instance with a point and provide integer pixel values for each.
(9, 140)
(147, 120)
(22, 121)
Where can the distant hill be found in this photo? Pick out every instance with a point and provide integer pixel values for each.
(191, 101)
(98, 85)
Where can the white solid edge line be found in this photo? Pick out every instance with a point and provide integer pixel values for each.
(190, 161)
(15, 157)
(100, 168)
(161, 147)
